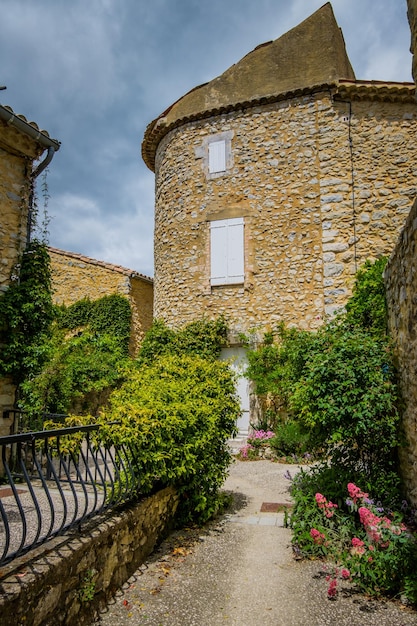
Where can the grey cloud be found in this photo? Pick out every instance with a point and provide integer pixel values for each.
(95, 73)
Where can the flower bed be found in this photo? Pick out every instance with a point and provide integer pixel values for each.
(369, 546)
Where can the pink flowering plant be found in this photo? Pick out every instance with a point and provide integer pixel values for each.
(258, 439)
(367, 546)
(248, 452)
(381, 556)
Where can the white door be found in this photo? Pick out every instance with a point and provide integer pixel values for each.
(238, 362)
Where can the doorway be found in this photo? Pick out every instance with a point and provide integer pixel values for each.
(238, 362)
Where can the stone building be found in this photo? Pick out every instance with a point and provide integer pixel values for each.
(75, 276)
(401, 290)
(22, 144)
(276, 181)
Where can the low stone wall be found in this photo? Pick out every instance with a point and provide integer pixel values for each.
(66, 582)
(401, 290)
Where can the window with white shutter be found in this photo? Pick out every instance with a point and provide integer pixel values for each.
(217, 156)
(227, 251)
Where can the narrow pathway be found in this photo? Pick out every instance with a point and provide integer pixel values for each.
(240, 571)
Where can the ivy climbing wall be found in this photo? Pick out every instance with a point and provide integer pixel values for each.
(75, 276)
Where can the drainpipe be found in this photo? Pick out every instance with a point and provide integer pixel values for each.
(41, 167)
(52, 145)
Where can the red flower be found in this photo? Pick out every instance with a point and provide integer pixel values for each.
(317, 536)
(332, 590)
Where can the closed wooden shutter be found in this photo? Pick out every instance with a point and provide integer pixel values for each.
(217, 156)
(235, 256)
(227, 251)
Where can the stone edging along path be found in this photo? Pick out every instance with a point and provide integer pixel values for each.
(240, 570)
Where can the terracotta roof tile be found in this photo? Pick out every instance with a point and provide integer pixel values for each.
(24, 119)
(109, 266)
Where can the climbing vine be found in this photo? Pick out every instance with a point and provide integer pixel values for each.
(26, 313)
(111, 315)
(203, 338)
(87, 353)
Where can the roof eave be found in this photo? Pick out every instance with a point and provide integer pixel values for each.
(28, 128)
(341, 89)
(157, 129)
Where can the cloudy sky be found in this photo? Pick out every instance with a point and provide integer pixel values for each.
(94, 73)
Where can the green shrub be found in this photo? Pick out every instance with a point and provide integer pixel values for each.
(367, 307)
(76, 315)
(84, 357)
(348, 399)
(290, 439)
(277, 365)
(338, 385)
(78, 376)
(203, 338)
(178, 413)
(109, 315)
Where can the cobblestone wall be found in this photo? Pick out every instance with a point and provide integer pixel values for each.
(321, 184)
(76, 276)
(59, 577)
(401, 289)
(14, 194)
(17, 153)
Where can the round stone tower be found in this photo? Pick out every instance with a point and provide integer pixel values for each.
(267, 183)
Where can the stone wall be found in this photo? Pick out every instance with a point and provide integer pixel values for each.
(14, 199)
(17, 153)
(322, 185)
(75, 276)
(99, 561)
(7, 397)
(401, 290)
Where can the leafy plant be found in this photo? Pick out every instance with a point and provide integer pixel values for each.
(178, 413)
(276, 365)
(84, 359)
(336, 387)
(87, 589)
(109, 314)
(348, 399)
(367, 307)
(203, 338)
(370, 546)
(26, 312)
(77, 315)
(290, 439)
(78, 376)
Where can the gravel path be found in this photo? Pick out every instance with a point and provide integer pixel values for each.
(240, 570)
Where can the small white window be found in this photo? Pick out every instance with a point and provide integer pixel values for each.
(217, 156)
(227, 251)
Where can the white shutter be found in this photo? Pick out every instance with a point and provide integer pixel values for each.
(226, 251)
(217, 156)
(235, 256)
(218, 252)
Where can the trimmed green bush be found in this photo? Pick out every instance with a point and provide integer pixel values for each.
(178, 414)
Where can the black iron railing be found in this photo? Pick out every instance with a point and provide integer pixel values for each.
(54, 480)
